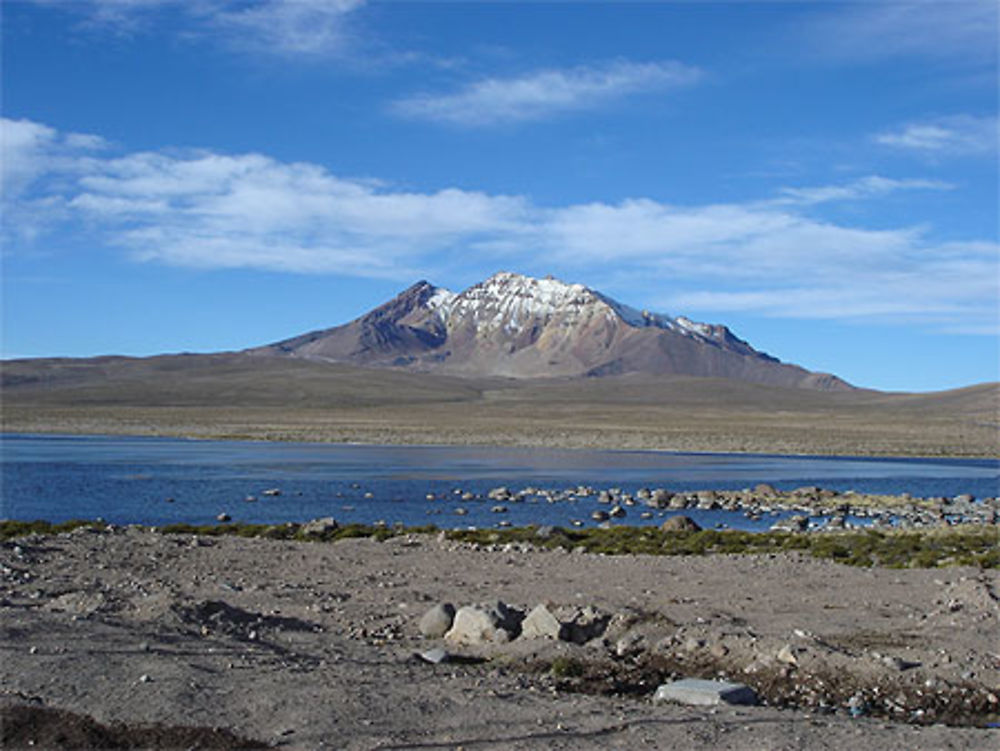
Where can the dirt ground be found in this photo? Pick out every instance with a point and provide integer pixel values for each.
(312, 645)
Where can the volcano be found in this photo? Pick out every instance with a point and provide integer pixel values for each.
(521, 327)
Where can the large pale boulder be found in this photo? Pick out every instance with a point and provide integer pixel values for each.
(436, 622)
(481, 624)
(541, 624)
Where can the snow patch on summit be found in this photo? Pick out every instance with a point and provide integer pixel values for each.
(699, 328)
(440, 299)
(513, 302)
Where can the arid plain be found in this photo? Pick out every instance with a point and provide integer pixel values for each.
(239, 396)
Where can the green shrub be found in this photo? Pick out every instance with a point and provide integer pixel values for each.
(567, 667)
(927, 548)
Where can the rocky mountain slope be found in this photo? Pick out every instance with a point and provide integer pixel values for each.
(521, 327)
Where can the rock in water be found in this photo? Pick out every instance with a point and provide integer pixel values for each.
(797, 523)
(660, 498)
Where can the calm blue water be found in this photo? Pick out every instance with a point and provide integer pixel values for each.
(128, 480)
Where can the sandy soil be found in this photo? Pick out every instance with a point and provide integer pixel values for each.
(311, 645)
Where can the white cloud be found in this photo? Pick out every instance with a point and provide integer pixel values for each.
(24, 149)
(210, 210)
(952, 287)
(291, 28)
(35, 154)
(207, 210)
(722, 244)
(956, 135)
(546, 93)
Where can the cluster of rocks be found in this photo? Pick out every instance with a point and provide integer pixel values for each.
(704, 662)
(499, 623)
(802, 509)
(813, 507)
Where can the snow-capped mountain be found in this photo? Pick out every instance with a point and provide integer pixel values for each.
(521, 327)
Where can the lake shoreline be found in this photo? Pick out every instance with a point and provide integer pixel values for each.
(820, 430)
(402, 442)
(165, 480)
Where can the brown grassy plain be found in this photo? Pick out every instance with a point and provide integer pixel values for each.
(237, 396)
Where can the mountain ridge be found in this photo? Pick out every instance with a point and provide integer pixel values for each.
(515, 326)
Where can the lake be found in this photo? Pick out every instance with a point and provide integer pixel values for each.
(157, 481)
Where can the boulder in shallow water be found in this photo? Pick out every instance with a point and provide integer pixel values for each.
(660, 498)
(791, 524)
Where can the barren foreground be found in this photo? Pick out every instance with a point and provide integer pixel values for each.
(311, 645)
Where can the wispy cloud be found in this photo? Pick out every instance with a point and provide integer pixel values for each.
(872, 186)
(291, 28)
(879, 29)
(956, 135)
(203, 209)
(542, 94)
(956, 283)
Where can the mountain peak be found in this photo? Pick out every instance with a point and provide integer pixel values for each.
(520, 326)
(512, 301)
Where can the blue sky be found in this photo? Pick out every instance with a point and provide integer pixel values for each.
(202, 175)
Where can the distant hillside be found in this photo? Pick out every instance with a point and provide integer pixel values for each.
(245, 396)
(217, 380)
